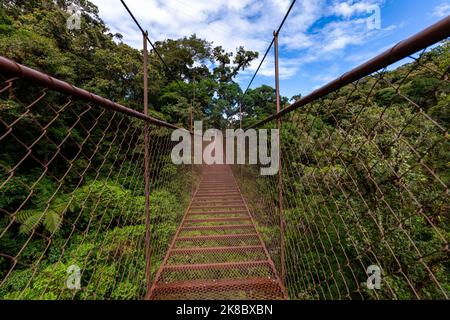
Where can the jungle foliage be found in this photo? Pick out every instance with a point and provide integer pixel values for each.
(365, 182)
(329, 194)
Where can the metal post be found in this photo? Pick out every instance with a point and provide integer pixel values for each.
(240, 127)
(192, 106)
(240, 115)
(280, 174)
(148, 248)
(191, 128)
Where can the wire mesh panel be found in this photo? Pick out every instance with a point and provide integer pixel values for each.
(72, 198)
(365, 174)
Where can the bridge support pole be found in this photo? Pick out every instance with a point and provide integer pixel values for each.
(280, 171)
(240, 127)
(191, 129)
(148, 249)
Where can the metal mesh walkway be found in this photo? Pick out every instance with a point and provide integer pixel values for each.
(217, 252)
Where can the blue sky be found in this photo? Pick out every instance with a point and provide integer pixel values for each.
(321, 40)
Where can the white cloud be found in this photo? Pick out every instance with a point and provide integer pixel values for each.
(250, 23)
(441, 10)
(348, 9)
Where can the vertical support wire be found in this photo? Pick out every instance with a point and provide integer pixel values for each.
(148, 250)
(280, 173)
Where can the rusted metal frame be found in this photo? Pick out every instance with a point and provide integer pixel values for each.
(242, 212)
(280, 173)
(148, 248)
(223, 194)
(230, 211)
(218, 201)
(9, 85)
(221, 203)
(217, 197)
(216, 249)
(225, 206)
(191, 111)
(213, 179)
(217, 220)
(222, 188)
(241, 173)
(222, 285)
(230, 200)
(191, 129)
(210, 201)
(431, 35)
(218, 227)
(269, 259)
(221, 197)
(15, 69)
(217, 188)
(219, 237)
(171, 247)
(223, 185)
(217, 266)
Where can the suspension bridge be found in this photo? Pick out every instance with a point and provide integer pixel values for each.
(339, 204)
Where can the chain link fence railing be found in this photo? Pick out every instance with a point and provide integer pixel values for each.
(72, 193)
(365, 176)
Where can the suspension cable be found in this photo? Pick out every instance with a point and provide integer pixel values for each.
(259, 66)
(149, 41)
(268, 49)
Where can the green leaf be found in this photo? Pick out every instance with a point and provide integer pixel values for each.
(31, 223)
(52, 221)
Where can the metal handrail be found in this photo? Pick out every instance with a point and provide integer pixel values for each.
(17, 70)
(431, 35)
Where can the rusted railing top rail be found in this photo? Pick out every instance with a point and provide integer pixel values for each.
(17, 70)
(431, 35)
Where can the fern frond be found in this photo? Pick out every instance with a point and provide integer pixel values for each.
(52, 221)
(31, 223)
(24, 215)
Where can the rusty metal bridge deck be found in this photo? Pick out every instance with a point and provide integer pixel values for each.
(217, 252)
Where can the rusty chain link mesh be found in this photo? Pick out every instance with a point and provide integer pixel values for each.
(365, 182)
(365, 174)
(72, 188)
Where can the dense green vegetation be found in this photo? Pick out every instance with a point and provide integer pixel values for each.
(77, 198)
(365, 182)
(34, 33)
(365, 169)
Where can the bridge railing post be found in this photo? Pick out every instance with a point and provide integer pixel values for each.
(240, 127)
(280, 171)
(191, 129)
(147, 172)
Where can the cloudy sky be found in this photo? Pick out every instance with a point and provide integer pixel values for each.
(321, 39)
